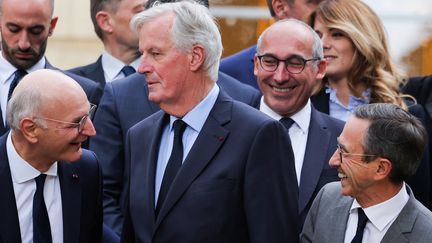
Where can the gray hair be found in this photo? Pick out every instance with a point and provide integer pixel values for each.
(193, 24)
(26, 103)
(317, 47)
(393, 134)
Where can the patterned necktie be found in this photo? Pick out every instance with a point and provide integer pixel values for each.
(41, 224)
(128, 70)
(174, 163)
(287, 122)
(362, 220)
(18, 75)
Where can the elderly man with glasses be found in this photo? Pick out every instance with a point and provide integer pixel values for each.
(379, 148)
(288, 64)
(44, 197)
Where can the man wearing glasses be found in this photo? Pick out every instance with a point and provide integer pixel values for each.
(379, 148)
(288, 64)
(44, 197)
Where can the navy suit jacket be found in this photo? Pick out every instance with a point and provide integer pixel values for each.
(92, 90)
(93, 71)
(237, 184)
(125, 103)
(241, 66)
(421, 89)
(316, 171)
(81, 193)
(420, 182)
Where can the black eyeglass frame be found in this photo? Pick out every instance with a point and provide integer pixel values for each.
(287, 63)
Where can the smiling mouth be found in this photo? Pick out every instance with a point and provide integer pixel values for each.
(329, 58)
(342, 175)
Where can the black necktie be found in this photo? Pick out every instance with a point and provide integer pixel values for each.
(174, 163)
(128, 70)
(18, 75)
(287, 122)
(41, 224)
(362, 220)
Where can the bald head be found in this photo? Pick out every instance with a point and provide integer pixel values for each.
(40, 90)
(47, 3)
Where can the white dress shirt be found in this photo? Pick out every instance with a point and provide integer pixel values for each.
(298, 132)
(112, 67)
(7, 71)
(24, 186)
(381, 217)
(195, 120)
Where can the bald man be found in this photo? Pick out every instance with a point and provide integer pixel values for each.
(46, 197)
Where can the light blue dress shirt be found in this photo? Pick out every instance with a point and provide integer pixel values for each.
(340, 111)
(195, 120)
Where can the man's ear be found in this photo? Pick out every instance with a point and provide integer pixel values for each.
(322, 67)
(197, 57)
(29, 129)
(280, 7)
(103, 19)
(383, 169)
(52, 26)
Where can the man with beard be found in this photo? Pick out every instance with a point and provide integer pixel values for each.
(25, 27)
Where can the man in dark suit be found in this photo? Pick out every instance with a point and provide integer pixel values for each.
(44, 197)
(227, 174)
(241, 64)
(125, 103)
(379, 148)
(25, 28)
(120, 57)
(421, 89)
(286, 86)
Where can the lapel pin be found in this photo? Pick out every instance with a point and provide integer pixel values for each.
(75, 176)
(220, 138)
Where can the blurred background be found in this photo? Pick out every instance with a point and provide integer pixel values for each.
(408, 24)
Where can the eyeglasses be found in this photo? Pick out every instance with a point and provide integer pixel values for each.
(293, 65)
(79, 125)
(343, 154)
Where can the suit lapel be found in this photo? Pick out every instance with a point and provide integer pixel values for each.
(95, 72)
(338, 218)
(314, 159)
(209, 140)
(71, 201)
(9, 222)
(3, 129)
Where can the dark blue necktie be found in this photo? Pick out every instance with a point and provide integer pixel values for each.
(41, 224)
(174, 163)
(287, 122)
(362, 220)
(128, 70)
(18, 75)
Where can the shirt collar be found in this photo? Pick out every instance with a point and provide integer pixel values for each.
(301, 118)
(21, 171)
(7, 69)
(382, 214)
(112, 66)
(198, 115)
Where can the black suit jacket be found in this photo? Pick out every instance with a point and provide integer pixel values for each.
(237, 184)
(420, 182)
(81, 194)
(125, 103)
(421, 89)
(92, 90)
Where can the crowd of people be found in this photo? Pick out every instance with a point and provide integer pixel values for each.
(311, 135)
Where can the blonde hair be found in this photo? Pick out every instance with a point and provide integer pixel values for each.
(371, 63)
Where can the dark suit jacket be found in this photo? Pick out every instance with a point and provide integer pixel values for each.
(241, 66)
(92, 90)
(237, 184)
(316, 171)
(421, 89)
(328, 216)
(81, 193)
(420, 182)
(233, 87)
(125, 103)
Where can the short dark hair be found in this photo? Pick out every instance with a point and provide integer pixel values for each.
(150, 3)
(393, 134)
(100, 5)
(290, 2)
